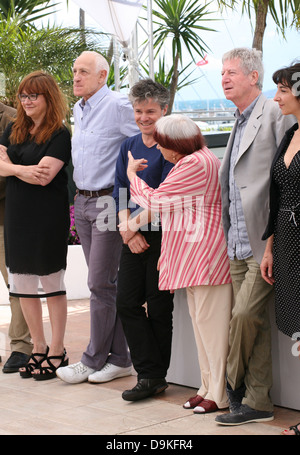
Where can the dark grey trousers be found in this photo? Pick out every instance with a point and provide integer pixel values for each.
(95, 220)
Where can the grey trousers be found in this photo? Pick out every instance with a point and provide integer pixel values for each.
(95, 221)
(249, 362)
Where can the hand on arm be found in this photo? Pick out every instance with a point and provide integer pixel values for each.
(266, 265)
(40, 174)
(134, 166)
(128, 229)
(3, 154)
(8, 169)
(124, 230)
(129, 226)
(138, 243)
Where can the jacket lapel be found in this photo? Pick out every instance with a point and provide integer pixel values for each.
(252, 127)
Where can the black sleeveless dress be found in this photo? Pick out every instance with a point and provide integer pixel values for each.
(37, 220)
(287, 245)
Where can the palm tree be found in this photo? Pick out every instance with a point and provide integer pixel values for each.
(163, 75)
(179, 20)
(29, 10)
(52, 49)
(280, 11)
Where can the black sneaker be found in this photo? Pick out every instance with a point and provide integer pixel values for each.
(235, 397)
(15, 361)
(244, 414)
(144, 389)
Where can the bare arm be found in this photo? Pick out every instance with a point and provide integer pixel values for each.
(266, 265)
(129, 226)
(40, 174)
(135, 240)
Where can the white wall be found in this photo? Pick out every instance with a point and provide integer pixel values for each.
(184, 367)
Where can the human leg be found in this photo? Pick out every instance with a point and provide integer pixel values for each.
(56, 356)
(159, 303)
(249, 365)
(131, 309)
(210, 310)
(249, 360)
(148, 330)
(102, 252)
(18, 332)
(32, 310)
(57, 308)
(20, 339)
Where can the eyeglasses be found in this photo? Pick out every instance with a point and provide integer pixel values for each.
(31, 97)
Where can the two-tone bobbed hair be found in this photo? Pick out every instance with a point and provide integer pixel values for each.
(179, 133)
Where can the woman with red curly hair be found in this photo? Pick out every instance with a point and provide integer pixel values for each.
(35, 149)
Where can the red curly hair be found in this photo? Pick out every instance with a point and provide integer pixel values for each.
(57, 108)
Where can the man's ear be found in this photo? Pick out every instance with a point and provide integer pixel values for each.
(254, 77)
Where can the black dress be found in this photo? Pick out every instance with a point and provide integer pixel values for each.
(37, 220)
(286, 248)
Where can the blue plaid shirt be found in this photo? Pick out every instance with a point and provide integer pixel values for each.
(238, 241)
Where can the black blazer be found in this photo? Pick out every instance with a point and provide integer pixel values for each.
(274, 192)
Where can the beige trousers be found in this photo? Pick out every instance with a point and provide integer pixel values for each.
(250, 360)
(18, 333)
(210, 310)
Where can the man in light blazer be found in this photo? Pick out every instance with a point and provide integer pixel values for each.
(245, 179)
(20, 340)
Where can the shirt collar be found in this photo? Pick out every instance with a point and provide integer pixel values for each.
(94, 99)
(247, 112)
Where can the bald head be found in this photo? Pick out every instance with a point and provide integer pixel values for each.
(90, 71)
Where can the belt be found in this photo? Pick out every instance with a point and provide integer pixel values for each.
(292, 211)
(88, 193)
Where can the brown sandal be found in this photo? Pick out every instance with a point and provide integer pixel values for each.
(205, 407)
(193, 402)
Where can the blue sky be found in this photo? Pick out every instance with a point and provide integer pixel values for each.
(233, 31)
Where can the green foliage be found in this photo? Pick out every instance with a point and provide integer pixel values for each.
(182, 21)
(164, 76)
(52, 49)
(285, 14)
(27, 10)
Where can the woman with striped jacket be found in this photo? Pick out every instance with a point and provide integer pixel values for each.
(193, 250)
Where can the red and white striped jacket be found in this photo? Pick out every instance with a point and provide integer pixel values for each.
(193, 250)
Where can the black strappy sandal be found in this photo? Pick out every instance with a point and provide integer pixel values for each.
(49, 371)
(33, 363)
(295, 429)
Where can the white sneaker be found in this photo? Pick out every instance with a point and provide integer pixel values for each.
(109, 372)
(75, 373)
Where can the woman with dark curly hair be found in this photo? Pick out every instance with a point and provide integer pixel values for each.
(281, 262)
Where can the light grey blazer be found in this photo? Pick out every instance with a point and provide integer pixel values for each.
(264, 131)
